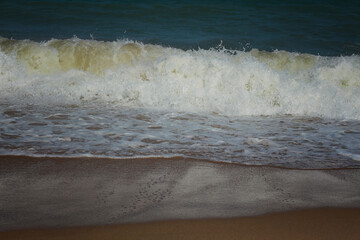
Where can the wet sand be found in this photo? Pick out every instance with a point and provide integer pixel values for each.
(159, 197)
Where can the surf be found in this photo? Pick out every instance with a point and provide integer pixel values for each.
(127, 73)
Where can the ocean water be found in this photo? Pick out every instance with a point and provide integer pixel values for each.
(251, 82)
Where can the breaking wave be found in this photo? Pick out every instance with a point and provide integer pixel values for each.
(133, 74)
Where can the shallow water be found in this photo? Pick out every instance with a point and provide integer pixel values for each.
(288, 141)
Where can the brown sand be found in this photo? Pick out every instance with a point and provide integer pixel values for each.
(330, 223)
(60, 197)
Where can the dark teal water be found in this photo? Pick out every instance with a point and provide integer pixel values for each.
(317, 27)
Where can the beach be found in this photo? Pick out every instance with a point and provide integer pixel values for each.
(179, 119)
(87, 198)
(308, 224)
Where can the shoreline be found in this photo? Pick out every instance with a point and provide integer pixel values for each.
(323, 223)
(152, 158)
(38, 193)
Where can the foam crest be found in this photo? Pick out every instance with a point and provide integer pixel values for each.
(282, 60)
(125, 73)
(63, 55)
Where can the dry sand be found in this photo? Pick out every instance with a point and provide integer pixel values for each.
(306, 224)
(44, 193)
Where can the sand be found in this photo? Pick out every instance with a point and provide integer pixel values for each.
(306, 224)
(84, 198)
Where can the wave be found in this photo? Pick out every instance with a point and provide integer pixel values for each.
(128, 73)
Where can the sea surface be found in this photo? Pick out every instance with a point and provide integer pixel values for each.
(251, 82)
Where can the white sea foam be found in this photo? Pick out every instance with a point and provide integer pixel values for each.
(351, 155)
(126, 73)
